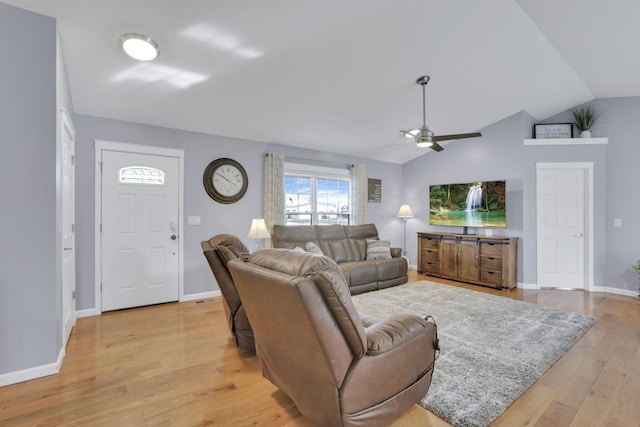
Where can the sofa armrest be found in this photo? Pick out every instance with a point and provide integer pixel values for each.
(396, 252)
(393, 331)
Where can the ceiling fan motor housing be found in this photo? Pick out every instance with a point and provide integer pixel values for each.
(424, 138)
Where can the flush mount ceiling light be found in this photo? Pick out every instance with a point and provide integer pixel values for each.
(140, 47)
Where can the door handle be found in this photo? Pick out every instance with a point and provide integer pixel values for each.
(578, 235)
(174, 237)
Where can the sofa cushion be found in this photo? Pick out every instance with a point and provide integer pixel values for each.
(291, 236)
(378, 249)
(312, 248)
(391, 268)
(340, 250)
(357, 236)
(360, 272)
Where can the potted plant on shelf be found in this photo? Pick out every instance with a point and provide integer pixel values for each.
(584, 117)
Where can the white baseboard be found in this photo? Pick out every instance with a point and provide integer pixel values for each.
(33, 373)
(203, 295)
(605, 289)
(533, 286)
(87, 313)
(616, 291)
(191, 297)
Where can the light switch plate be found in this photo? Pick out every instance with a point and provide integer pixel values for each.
(617, 222)
(193, 220)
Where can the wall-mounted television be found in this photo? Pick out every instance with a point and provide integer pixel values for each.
(472, 204)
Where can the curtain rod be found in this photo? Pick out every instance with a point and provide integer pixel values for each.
(317, 162)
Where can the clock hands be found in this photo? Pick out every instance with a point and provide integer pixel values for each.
(235, 184)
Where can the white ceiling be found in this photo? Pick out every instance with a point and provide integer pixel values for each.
(338, 75)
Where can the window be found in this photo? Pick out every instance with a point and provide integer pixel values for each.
(140, 175)
(316, 195)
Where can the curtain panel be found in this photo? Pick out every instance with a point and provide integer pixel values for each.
(273, 192)
(359, 202)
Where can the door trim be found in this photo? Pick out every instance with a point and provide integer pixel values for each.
(100, 146)
(587, 168)
(67, 127)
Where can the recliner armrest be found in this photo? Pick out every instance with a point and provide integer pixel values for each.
(396, 252)
(393, 331)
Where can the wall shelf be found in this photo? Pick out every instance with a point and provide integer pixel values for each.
(566, 141)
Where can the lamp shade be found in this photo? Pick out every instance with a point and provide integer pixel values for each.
(258, 229)
(405, 212)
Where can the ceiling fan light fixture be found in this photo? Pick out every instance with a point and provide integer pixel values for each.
(139, 47)
(424, 137)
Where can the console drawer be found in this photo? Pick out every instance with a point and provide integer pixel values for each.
(491, 248)
(428, 243)
(431, 267)
(491, 263)
(430, 255)
(489, 276)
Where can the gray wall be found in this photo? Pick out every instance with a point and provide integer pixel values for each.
(617, 249)
(497, 155)
(28, 291)
(500, 154)
(619, 122)
(200, 149)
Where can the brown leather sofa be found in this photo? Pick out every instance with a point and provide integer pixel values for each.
(219, 250)
(340, 369)
(347, 245)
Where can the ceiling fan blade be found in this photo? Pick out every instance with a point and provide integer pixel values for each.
(410, 133)
(436, 147)
(405, 144)
(456, 136)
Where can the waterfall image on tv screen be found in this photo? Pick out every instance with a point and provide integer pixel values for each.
(472, 204)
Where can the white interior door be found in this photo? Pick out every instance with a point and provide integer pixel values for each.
(140, 217)
(562, 225)
(68, 227)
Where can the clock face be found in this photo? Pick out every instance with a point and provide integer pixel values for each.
(225, 180)
(228, 180)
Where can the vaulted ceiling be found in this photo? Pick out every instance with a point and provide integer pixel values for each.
(338, 75)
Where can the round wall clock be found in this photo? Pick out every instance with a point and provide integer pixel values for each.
(225, 180)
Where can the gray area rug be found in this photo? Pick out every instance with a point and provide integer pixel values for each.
(492, 348)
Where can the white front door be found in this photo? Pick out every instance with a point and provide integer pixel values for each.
(562, 216)
(140, 229)
(67, 225)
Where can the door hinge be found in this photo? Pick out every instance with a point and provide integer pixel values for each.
(100, 286)
(73, 295)
(73, 160)
(73, 228)
(101, 227)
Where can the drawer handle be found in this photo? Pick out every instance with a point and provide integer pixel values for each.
(491, 258)
(490, 272)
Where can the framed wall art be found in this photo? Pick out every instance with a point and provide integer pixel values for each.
(552, 130)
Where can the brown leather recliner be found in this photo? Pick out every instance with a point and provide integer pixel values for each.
(219, 250)
(339, 368)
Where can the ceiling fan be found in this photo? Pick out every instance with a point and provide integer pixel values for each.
(424, 137)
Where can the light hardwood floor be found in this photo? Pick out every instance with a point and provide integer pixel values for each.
(175, 365)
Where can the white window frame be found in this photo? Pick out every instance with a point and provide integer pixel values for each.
(320, 172)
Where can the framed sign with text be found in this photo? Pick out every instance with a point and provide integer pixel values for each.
(375, 190)
(553, 130)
